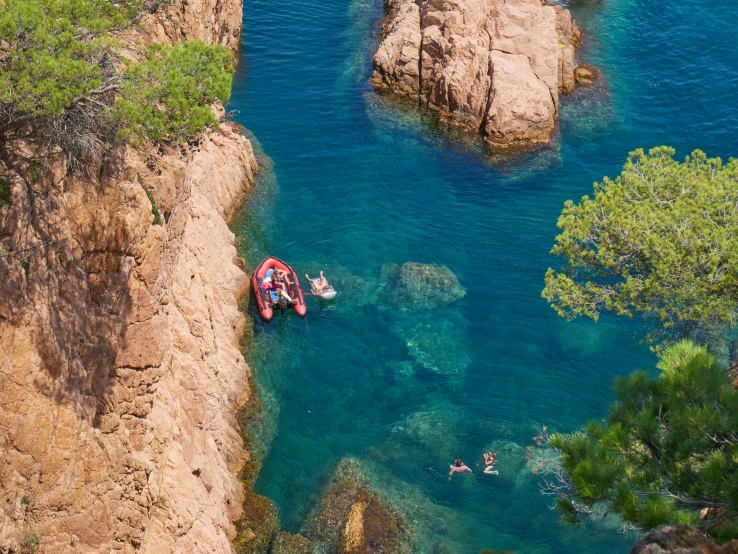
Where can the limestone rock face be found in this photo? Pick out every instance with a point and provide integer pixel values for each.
(680, 539)
(397, 60)
(496, 66)
(569, 36)
(521, 108)
(119, 353)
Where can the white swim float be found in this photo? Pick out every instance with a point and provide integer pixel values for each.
(328, 294)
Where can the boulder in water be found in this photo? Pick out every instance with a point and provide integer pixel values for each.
(585, 74)
(350, 518)
(420, 286)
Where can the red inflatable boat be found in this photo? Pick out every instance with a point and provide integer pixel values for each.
(270, 296)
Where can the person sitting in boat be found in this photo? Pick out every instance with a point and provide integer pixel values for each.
(281, 277)
(276, 281)
(282, 292)
(318, 285)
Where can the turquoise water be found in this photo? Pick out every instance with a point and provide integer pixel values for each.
(352, 184)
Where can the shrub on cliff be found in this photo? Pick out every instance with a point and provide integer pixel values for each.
(55, 53)
(62, 78)
(168, 95)
(667, 452)
(658, 241)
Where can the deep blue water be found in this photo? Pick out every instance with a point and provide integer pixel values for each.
(350, 183)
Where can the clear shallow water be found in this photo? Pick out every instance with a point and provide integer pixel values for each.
(353, 184)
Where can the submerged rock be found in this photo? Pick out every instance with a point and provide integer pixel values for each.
(289, 543)
(680, 539)
(419, 286)
(350, 518)
(437, 345)
(434, 430)
(494, 67)
(585, 74)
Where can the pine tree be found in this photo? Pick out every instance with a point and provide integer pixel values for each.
(63, 79)
(658, 241)
(667, 452)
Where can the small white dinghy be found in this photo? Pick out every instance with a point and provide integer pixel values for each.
(327, 292)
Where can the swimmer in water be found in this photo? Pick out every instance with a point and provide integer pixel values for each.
(458, 467)
(490, 459)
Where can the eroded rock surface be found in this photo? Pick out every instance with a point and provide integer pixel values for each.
(496, 66)
(119, 353)
(680, 539)
(350, 518)
(289, 543)
(585, 74)
(212, 21)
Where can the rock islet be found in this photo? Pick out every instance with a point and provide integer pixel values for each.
(492, 66)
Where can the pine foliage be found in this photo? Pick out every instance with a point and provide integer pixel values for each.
(658, 241)
(168, 95)
(667, 452)
(63, 78)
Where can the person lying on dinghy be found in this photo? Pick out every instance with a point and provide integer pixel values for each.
(319, 285)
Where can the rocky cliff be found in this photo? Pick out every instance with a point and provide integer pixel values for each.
(494, 66)
(119, 331)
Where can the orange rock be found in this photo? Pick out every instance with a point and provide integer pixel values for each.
(120, 350)
(353, 531)
(494, 67)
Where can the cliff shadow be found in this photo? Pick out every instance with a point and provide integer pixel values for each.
(63, 293)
